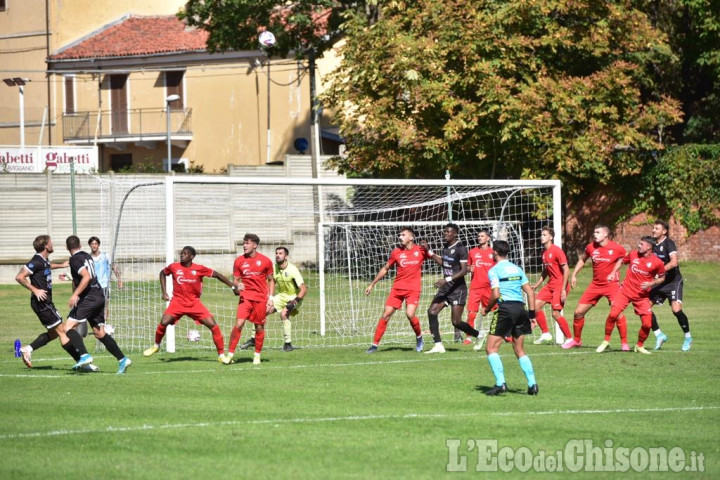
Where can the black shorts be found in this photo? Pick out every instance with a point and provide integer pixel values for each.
(510, 320)
(452, 295)
(46, 312)
(672, 292)
(90, 308)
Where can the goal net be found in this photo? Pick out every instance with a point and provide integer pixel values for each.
(339, 232)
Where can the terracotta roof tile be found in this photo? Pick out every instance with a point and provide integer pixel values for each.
(137, 36)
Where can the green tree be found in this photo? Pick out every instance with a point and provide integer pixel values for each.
(488, 88)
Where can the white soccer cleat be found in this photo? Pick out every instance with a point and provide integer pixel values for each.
(480, 342)
(256, 359)
(227, 358)
(545, 337)
(603, 346)
(26, 352)
(437, 348)
(639, 349)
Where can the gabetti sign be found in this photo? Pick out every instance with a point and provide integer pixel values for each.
(56, 159)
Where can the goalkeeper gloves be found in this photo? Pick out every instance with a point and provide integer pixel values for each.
(292, 304)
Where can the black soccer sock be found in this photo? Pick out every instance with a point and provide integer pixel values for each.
(77, 341)
(654, 325)
(467, 329)
(683, 321)
(434, 327)
(42, 340)
(72, 351)
(112, 346)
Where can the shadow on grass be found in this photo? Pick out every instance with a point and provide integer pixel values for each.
(487, 388)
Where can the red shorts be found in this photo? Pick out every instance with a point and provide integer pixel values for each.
(595, 292)
(551, 295)
(478, 297)
(620, 301)
(256, 312)
(397, 297)
(197, 311)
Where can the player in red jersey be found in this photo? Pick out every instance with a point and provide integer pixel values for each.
(406, 288)
(253, 274)
(187, 289)
(555, 267)
(645, 271)
(480, 260)
(606, 257)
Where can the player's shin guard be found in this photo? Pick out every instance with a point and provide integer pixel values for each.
(564, 327)
(622, 328)
(644, 329)
(76, 341)
(72, 351)
(496, 366)
(471, 319)
(527, 369)
(235, 335)
(112, 346)
(434, 327)
(541, 321)
(610, 322)
(259, 339)
(682, 321)
(380, 331)
(218, 339)
(160, 333)
(578, 324)
(287, 331)
(415, 324)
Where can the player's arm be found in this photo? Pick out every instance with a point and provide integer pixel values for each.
(116, 271)
(434, 256)
(616, 268)
(23, 278)
(163, 285)
(292, 304)
(271, 289)
(566, 274)
(578, 266)
(64, 264)
(543, 276)
(383, 271)
(673, 263)
(530, 293)
(455, 276)
(658, 280)
(79, 288)
(224, 280)
(494, 297)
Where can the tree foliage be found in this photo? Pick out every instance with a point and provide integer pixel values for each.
(488, 88)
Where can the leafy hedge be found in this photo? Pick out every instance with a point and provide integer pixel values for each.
(684, 182)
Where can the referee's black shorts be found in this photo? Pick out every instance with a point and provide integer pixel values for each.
(510, 320)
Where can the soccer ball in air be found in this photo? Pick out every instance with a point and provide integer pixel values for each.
(266, 39)
(193, 336)
(109, 330)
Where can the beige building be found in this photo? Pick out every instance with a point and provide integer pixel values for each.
(126, 75)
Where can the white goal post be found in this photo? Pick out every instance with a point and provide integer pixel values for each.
(339, 232)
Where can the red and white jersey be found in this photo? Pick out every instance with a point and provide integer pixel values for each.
(604, 259)
(481, 260)
(409, 267)
(187, 281)
(641, 269)
(253, 273)
(553, 259)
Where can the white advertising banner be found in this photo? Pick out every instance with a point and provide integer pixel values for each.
(14, 159)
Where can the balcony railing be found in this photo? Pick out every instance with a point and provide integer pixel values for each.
(137, 124)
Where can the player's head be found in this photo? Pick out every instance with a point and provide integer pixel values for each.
(250, 242)
(407, 235)
(484, 237)
(43, 242)
(547, 234)
(72, 243)
(660, 229)
(646, 244)
(450, 232)
(281, 254)
(501, 248)
(94, 244)
(601, 232)
(187, 254)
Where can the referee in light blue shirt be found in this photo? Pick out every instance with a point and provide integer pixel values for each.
(508, 282)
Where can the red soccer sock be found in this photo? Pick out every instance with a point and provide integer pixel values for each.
(578, 325)
(160, 333)
(541, 321)
(622, 328)
(644, 329)
(609, 325)
(235, 335)
(259, 339)
(218, 339)
(471, 319)
(380, 331)
(564, 327)
(415, 324)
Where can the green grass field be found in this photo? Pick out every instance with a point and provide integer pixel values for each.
(340, 413)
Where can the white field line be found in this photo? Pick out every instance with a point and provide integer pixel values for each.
(349, 418)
